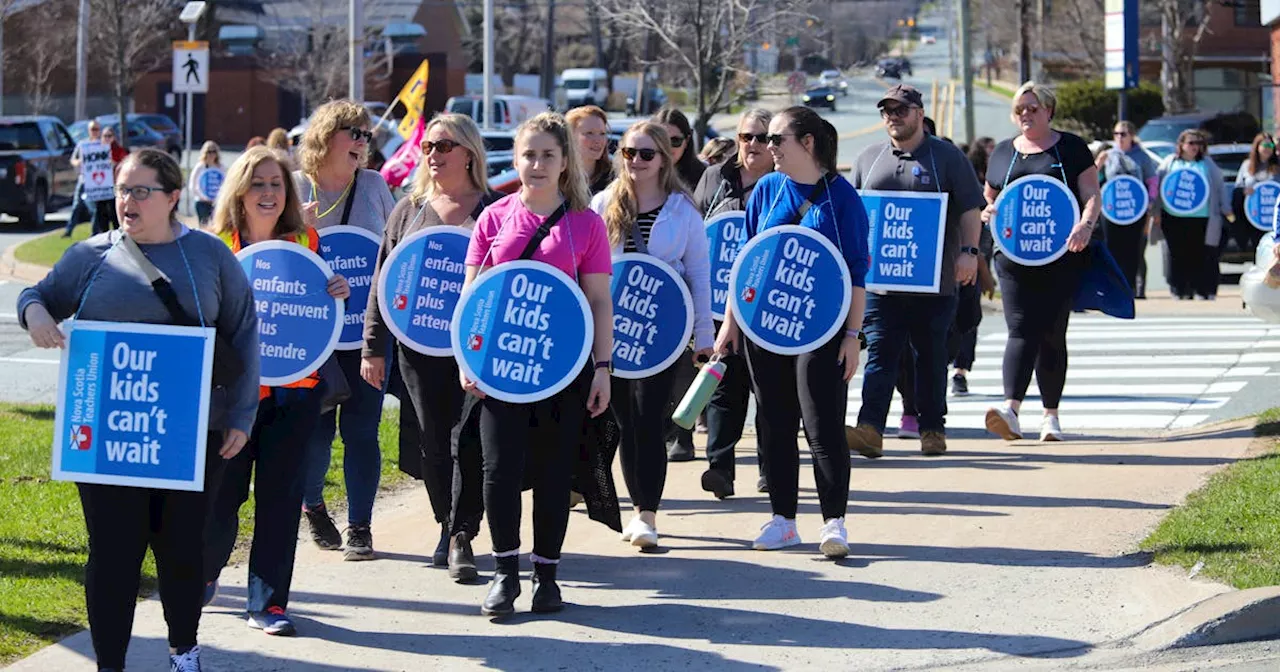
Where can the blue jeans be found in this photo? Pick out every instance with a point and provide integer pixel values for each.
(362, 459)
(891, 323)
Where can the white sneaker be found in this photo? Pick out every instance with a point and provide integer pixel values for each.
(835, 541)
(629, 531)
(640, 533)
(1050, 430)
(777, 533)
(1003, 422)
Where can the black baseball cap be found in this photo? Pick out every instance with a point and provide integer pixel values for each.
(905, 94)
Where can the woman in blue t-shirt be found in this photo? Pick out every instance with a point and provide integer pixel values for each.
(813, 385)
(1192, 239)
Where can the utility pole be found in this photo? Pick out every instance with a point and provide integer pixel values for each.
(549, 53)
(966, 66)
(1024, 41)
(355, 50)
(82, 60)
(486, 114)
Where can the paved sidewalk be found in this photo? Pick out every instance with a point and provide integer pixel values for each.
(993, 551)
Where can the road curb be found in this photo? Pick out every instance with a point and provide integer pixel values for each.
(1240, 616)
(13, 269)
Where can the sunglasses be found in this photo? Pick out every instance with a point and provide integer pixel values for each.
(897, 111)
(440, 146)
(358, 134)
(1194, 143)
(677, 141)
(776, 139)
(1029, 109)
(1268, 145)
(746, 138)
(630, 153)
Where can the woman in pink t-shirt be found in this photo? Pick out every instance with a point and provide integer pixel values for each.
(545, 434)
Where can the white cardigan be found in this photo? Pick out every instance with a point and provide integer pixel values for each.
(679, 238)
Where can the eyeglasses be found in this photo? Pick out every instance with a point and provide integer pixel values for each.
(898, 111)
(630, 153)
(1121, 134)
(138, 193)
(776, 139)
(746, 138)
(677, 140)
(1029, 109)
(440, 146)
(358, 134)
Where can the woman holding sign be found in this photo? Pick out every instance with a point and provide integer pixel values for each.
(548, 221)
(450, 191)
(206, 179)
(207, 282)
(1039, 260)
(813, 386)
(648, 210)
(257, 204)
(1190, 218)
(1260, 166)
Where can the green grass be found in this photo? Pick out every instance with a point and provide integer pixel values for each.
(47, 250)
(1230, 524)
(43, 540)
(994, 88)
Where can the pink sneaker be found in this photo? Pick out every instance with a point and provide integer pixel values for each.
(908, 428)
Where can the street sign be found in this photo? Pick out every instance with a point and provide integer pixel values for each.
(1121, 43)
(190, 67)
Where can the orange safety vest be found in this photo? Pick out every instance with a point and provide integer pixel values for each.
(309, 239)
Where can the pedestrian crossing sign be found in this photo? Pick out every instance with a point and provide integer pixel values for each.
(190, 67)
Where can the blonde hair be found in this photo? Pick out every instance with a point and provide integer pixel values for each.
(209, 147)
(575, 117)
(467, 135)
(278, 139)
(573, 183)
(229, 214)
(325, 122)
(1041, 92)
(718, 150)
(620, 215)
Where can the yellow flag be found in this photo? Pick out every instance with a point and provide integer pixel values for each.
(414, 98)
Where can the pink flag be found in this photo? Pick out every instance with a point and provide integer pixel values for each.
(401, 164)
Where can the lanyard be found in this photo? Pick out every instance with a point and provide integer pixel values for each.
(826, 187)
(503, 227)
(933, 163)
(1015, 160)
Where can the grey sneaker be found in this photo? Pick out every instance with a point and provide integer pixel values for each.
(185, 662)
(359, 543)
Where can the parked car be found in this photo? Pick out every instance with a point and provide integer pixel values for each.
(140, 135)
(1222, 127)
(834, 79)
(35, 167)
(585, 86)
(1229, 157)
(172, 139)
(820, 96)
(928, 39)
(509, 111)
(653, 101)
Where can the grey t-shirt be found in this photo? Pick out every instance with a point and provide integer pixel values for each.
(369, 210)
(936, 166)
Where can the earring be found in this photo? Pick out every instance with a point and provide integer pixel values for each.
(469, 165)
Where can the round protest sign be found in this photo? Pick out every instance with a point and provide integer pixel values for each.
(791, 289)
(652, 315)
(726, 234)
(419, 288)
(1185, 193)
(1124, 199)
(522, 331)
(1034, 217)
(211, 181)
(298, 322)
(1260, 206)
(352, 252)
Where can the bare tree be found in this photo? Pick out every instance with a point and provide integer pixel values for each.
(131, 37)
(515, 25)
(1183, 23)
(47, 52)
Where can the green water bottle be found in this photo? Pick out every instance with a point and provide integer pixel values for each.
(699, 394)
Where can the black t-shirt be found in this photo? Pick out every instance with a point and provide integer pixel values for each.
(1068, 157)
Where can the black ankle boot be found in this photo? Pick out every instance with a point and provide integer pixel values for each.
(505, 588)
(440, 557)
(546, 594)
(462, 562)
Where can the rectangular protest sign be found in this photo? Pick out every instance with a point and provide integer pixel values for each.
(96, 172)
(906, 234)
(133, 405)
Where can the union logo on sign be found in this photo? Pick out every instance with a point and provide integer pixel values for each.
(749, 294)
(81, 437)
(402, 301)
(475, 341)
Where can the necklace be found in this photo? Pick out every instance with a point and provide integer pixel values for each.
(315, 190)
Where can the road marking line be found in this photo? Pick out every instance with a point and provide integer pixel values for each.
(8, 316)
(1144, 346)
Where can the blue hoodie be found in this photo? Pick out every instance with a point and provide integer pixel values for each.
(839, 215)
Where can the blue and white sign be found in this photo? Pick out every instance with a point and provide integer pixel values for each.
(420, 285)
(726, 234)
(522, 331)
(1120, 42)
(298, 322)
(1185, 193)
(1124, 199)
(652, 315)
(133, 405)
(351, 252)
(211, 181)
(1034, 217)
(791, 289)
(907, 230)
(1260, 206)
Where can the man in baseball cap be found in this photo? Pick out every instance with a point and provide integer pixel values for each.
(904, 94)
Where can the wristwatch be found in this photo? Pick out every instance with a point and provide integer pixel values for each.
(969, 249)
(605, 364)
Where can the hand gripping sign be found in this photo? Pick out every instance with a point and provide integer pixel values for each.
(791, 289)
(1185, 192)
(133, 405)
(726, 234)
(522, 331)
(652, 315)
(298, 322)
(1033, 219)
(352, 252)
(420, 285)
(907, 230)
(1124, 200)
(1260, 206)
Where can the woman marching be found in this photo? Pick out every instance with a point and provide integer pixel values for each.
(1038, 299)
(812, 386)
(338, 190)
(591, 131)
(204, 202)
(543, 435)
(450, 190)
(209, 284)
(725, 188)
(257, 204)
(1128, 244)
(648, 210)
(1261, 165)
(1192, 240)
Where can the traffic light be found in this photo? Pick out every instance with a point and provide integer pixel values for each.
(764, 47)
(901, 23)
(911, 22)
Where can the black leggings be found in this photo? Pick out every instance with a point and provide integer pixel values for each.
(1127, 244)
(432, 385)
(122, 521)
(811, 387)
(1192, 265)
(1037, 305)
(640, 407)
